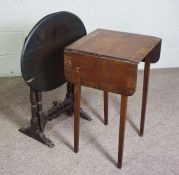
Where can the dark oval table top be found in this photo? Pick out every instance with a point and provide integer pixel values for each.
(42, 59)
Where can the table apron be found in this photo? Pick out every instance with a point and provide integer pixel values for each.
(102, 73)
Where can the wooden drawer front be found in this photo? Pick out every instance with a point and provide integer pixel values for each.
(100, 73)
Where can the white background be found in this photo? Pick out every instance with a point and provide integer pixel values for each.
(152, 17)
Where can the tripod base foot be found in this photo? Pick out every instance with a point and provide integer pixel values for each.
(84, 115)
(37, 135)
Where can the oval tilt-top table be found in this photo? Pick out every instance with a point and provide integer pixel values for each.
(42, 66)
(108, 60)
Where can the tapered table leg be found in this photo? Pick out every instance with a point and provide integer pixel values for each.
(105, 107)
(144, 96)
(123, 112)
(77, 94)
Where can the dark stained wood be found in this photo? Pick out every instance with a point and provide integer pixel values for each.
(42, 60)
(37, 121)
(42, 66)
(34, 119)
(77, 94)
(105, 107)
(118, 45)
(101, 73)
(144, 96)
(123, 112)
(40, 112)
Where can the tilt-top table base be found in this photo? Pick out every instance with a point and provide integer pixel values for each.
(39, 118)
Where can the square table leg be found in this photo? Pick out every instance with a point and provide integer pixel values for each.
(123, 112)
(144, 96)
(105, 107)
(77, 95)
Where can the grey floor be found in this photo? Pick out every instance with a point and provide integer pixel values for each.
(156, 153)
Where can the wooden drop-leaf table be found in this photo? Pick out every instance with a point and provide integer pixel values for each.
(108, 60)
